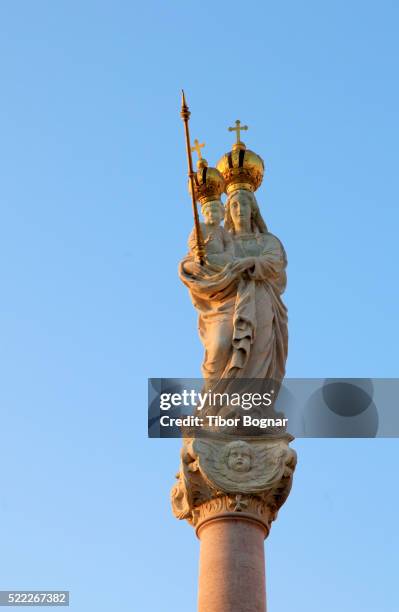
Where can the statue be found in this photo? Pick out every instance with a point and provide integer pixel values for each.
(237, 291)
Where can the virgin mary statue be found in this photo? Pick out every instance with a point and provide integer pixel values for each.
(237, 293)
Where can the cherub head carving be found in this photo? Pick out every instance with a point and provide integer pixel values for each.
(238, 456)
(238, 466)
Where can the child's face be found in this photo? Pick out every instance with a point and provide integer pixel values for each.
(239, 458)
(213, 212)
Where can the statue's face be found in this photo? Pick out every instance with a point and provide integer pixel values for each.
(239, 458)
(240, 208)
(213, 212)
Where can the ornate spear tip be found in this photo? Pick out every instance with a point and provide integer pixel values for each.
(185, 113)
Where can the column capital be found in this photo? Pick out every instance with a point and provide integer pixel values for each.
(245, 479)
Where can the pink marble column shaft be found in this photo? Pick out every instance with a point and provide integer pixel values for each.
(232, 565)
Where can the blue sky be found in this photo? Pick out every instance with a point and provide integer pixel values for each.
(95, 217)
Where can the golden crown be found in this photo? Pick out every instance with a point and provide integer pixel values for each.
(208, 182)
(241, 168)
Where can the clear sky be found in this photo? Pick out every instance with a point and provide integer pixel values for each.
(94, 218)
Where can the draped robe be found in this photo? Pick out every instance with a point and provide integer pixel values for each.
(242, 319)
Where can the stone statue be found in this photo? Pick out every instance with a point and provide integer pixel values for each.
(237, 293)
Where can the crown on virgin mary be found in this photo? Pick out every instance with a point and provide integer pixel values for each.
(241, 168)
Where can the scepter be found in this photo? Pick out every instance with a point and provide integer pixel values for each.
(185, 115)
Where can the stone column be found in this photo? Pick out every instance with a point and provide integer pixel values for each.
(232, 565)
(230, 491)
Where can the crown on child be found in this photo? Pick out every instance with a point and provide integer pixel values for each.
(208, 182)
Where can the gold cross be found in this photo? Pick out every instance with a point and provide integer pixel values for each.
(197, 147)
(238, 129)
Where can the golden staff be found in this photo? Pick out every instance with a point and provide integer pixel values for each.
(185, 115)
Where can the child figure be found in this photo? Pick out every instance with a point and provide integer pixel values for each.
(219, 248)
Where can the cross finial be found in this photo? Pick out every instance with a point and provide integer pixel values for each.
(197, 148)
(238, 129)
